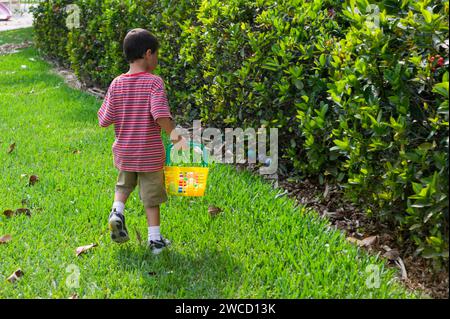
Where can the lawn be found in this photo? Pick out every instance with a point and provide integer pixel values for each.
(16, 36)
(259, 247)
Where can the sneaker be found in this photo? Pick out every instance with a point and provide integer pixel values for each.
(116, 222)
(156, 246)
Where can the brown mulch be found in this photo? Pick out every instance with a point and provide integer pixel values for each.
(10, 48)
(328, 200)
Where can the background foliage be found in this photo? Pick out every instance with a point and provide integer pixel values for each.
(358, 89)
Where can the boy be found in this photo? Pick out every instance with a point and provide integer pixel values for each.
(137, 105)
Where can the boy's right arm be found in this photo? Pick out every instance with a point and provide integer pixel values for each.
(168, 125)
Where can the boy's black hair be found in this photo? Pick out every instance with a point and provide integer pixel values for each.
(137, 42)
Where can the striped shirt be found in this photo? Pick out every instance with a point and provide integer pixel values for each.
(133, 103)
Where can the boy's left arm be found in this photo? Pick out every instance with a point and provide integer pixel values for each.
(106, 113)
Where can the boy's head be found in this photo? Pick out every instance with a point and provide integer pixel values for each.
(141, 44)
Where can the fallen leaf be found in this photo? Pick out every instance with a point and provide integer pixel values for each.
(11, 148)
(74, 296)
(392, 254)
(25, 211)
(214, 211)
(15, 276)
(326, 191)
(33, 180)
(281, 194)
(76, 152)
(5, 238)
(354, 240)
(83, 249)
(8, 213)
(369, 241)
(138, 236)
(399, 262)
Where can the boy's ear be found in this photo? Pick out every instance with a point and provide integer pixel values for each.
(149, 52)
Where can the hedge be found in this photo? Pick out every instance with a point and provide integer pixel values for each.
(359, 92)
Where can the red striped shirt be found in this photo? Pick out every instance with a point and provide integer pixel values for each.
(133, 103)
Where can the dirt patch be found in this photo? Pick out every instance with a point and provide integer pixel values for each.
(72, 80)
(10, 48)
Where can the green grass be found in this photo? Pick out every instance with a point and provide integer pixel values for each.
(259, 247)
(16, 36)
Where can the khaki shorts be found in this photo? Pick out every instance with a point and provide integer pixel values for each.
(152, 190)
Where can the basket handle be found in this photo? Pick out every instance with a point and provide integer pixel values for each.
(191, 144)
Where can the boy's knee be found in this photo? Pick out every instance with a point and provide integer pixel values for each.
(126, 182)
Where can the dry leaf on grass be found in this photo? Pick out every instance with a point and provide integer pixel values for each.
(76, 152)
(214, 211)
(24, 211)
(369, 241)
(138, 236)
(15, 276)
(5, 238)
(8, 213)
(354, 240)
(33, 180)
(366, 242)
(74, 296)
(83, 249)
(11, 148)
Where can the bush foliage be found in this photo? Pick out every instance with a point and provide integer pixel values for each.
(357, 88)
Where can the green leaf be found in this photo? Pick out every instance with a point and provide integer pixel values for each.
(417, 187)
(426, 146)
(441, 88)
(323, 59)
(343, 145)
(298, 84)
(427, 15)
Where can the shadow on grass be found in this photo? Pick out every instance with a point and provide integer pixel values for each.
(206, 274)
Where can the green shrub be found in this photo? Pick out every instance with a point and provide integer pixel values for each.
(50, 29)
(352, 87)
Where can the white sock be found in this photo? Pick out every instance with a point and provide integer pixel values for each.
(119, 206)
(154, 233)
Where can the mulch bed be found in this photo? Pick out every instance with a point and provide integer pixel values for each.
(14, 47)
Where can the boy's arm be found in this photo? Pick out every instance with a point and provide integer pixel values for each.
(168, 125)
(106, 113)
(161, 113)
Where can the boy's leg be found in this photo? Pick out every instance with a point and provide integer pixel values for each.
(153, 193)
(126, 182)
(153, 221)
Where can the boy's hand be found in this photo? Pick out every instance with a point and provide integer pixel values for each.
(180, 143)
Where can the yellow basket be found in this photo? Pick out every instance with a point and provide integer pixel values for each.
(186, 181)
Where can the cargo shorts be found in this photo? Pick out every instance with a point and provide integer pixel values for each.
(152, 190)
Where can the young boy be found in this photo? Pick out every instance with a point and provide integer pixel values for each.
(136, 104)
